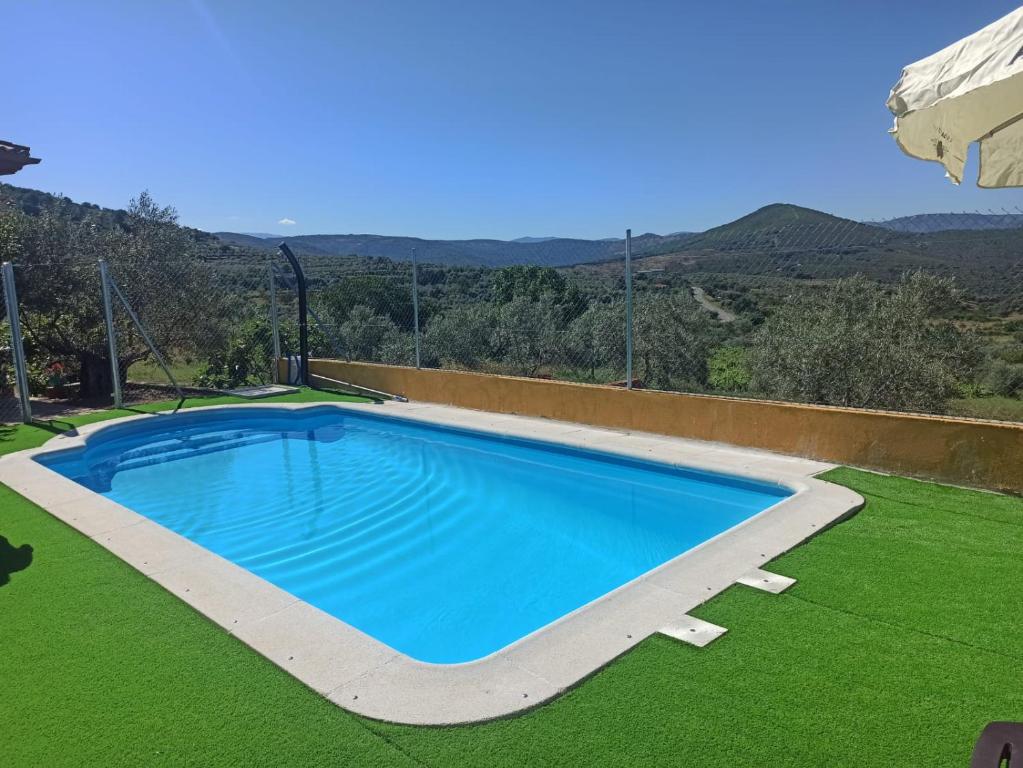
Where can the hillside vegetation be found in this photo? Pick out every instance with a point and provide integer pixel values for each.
(786, 303)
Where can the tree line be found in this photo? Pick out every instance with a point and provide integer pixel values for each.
(850, 341)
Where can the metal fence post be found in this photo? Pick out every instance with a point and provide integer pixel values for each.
(17, 350)
(108, 314)
(415, 307)
(274, 330)
(628, 309)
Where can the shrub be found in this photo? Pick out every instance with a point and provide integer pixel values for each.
(1004, 379)
(728, 370)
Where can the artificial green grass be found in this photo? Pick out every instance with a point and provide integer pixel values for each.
(896, 646)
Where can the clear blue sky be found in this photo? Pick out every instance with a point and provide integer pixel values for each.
(476, 119)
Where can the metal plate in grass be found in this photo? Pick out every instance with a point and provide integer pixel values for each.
(262, 390)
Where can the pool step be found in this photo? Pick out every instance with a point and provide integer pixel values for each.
(172, 450)
(694, 631)
(186, 442)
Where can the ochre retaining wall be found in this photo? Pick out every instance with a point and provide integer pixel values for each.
(983, 454)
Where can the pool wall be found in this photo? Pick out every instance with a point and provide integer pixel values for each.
(361, 674)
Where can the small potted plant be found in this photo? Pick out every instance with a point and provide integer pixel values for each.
(56, 380)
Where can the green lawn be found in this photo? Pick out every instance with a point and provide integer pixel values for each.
(149, 371)
(900, 641)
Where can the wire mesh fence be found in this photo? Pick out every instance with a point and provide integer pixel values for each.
(916, 314)
(197, 323)
(361, 311)
(828, 311)
(209, 319)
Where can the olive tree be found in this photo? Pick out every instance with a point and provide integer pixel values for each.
(596, 339)
(153, 260)
(673, 337)
(369, 336)
(460, 337)
(529, 334)
(861, 344)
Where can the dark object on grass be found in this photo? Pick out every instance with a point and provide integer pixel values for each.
(1000, 744)
(13, 559)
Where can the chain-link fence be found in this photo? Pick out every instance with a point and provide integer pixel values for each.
(918, 314)
(210, 321)
(516, 319)
(193, 325)
(921, 314)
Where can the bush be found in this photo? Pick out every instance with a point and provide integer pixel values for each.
(246, 359)
(1004, 379)
(728, 370)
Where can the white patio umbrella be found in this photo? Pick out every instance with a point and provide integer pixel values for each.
(970, 91)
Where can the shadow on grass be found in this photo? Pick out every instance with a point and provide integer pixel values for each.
(13, 559)
(9, 432)
(55, 426)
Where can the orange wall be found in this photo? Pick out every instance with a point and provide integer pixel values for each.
(963, 451)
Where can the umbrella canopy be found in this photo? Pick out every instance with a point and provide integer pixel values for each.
(970, 91)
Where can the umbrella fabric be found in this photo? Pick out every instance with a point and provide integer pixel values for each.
(970, 91)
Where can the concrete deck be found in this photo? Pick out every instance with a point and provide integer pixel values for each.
(361, 674)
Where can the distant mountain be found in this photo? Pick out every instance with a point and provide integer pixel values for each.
(789, 242)
(555, 252)
(923, 223)
(970, 246)
(787, 224)
(777, 225)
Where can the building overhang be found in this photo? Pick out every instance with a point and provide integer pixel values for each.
(14, 157)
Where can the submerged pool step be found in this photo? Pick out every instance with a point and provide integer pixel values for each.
(187, 442)
(172, 450)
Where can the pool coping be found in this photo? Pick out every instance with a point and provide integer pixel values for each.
(361, 674)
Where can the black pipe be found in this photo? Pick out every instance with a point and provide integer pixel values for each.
(303, 315)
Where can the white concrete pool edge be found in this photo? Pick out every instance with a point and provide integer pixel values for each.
(364, 676)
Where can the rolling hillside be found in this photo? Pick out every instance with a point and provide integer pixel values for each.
(776, 241)
(555, 252)
(923, 223)
(776, 226)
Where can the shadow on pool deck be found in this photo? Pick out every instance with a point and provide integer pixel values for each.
(13, 559)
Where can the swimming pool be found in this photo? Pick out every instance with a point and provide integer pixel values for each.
(421, 563)
(444, 544)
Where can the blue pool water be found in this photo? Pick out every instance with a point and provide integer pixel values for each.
(444, 544)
